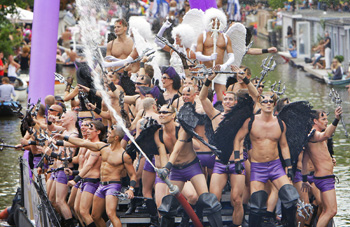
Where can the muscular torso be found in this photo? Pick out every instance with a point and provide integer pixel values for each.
(94, 171)
(81, 157)
(264, 137)
(208, 49)
(112, 164)
(120, 48)
(320, 158)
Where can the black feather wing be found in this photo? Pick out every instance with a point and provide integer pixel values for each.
(229, 126)
(298, 119)
(188, 119)
(145, 140)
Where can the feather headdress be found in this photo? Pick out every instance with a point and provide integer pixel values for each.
(186, 34)
(213, 13)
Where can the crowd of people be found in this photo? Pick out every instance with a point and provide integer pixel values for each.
(88, 156)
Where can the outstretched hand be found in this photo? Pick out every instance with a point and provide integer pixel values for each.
(167, 24)
(338, 112)
(305, 187)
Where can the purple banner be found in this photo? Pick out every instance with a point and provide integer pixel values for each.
(43, 49)
(203, 4)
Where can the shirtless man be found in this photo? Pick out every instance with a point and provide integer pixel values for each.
(90, 173)
(68, 127)
(233, 169)
(266, 133)
(205, 48)
(183, 166)
(114, 161)
(324, 178)
(75, 194)
(122, 46)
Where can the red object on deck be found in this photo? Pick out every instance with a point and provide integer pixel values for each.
(4, 214)
(187, 207)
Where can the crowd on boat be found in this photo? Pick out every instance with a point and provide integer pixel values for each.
(203, 126)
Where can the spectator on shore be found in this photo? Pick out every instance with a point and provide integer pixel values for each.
(289, 35)
(6, 89)
(318, 55)
(12, 67)
(2, 66)
(327, 45)
(293, 49)
(24, 59)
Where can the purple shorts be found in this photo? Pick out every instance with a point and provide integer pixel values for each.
(77, 185)
(297, 177)
(36, 160)
(158, 180)
(109, 189)
(61, 177)
(226, 169)
(53, 175)
(186, 172)
(325, 183)
(148, 166)
(91, 187)
(207, 159)
(264, 171)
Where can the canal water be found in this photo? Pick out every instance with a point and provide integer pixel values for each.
(299, 87)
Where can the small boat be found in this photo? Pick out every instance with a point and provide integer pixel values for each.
(343, 81)
(21, 87)
(9, 109)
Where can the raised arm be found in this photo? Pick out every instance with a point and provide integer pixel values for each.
(203, 96)
(322, 136)
(95, 147)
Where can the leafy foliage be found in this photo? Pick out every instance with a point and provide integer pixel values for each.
(9, 37)
(275, 4)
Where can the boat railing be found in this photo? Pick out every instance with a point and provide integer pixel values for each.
(34, 197)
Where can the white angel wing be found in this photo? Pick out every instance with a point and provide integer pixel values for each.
(237, 34)
(194, 18)
(139, 25)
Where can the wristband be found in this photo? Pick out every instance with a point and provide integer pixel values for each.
(207, 83)
(265, 51)
(112, 86)
(54, 155)
(246, 80)
(31, 142)
(236, 154)
(60, 143)
(132, 183)
(77, 178)
(75, 172)
(304, 177)
(168, 166)
(288, 162)
(72, 99)
(142, 65)
(186, 67)
(97, 110)
(49, 122)
(335, 122)
(70, 159)
(125, 73)
(92, 91)
(66, 138)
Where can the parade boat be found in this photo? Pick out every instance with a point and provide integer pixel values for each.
(343, 81)
(7, 108)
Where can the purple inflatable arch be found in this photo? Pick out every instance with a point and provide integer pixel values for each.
(43, 50)
(202, 4)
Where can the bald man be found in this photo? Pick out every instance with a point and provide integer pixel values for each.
(68, 122)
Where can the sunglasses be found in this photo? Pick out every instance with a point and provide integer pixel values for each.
(267, 101)
(165, 112)
(262, 86)
(165, 78)
(139, 83)
(53, 110)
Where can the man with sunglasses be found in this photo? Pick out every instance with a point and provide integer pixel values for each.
(222, 172)
(89, 175)
(68, 128)
(266, 133)
(317, 152)
(184, 165)
(114, 161)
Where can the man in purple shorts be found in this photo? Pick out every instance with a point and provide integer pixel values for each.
(89, 175)
(222, 172)
(114, 161)
(318, 152)
(183, 166)
(266, 132)
(68, 127)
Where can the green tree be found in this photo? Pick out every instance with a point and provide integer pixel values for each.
(9, 37)
(275, 4)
